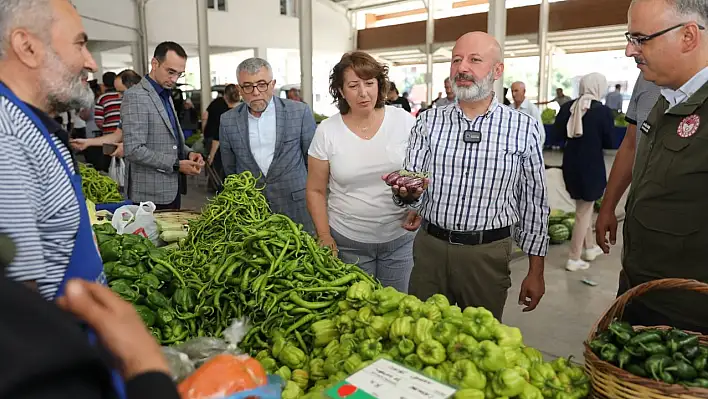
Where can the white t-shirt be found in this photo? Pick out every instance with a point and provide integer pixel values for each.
(360, 206)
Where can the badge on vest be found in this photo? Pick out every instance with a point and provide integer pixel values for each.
(688, 126)
(645, 128)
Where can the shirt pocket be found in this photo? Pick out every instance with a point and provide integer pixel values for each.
(681, 162)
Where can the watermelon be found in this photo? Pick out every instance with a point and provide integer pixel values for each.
(569, 223)
(558, 233)
(598, 204)
(556, 216)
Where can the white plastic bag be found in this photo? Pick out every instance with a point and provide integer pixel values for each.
(137, 219)
(117, 171)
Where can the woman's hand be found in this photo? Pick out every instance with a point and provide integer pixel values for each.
(413, 221)
(326, 240)
(118, 326)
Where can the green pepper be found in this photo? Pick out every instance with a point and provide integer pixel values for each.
(609, 353)
(292, 356)
(667, 377)
(121, 271)
(700, 362)
(385, 300)
(352, 363)
(359, 292)
(129, 240)
(622, 331)
(317, 370)
(370, 348)
(291, 390)
(363, 317)
(636, 351)
(508, 382)
(675, 344)
(514, 357)
(469, 393)
(148, 282)
(636, 370)
(330, 349)
(269, 364)
(344, 324)
(301, 378)
(698, 382)
(435, 374)
(410, 306)
(645, 337)
(324, 332)
(703, 373)
(406, 347)
(531, 392)
(655, 348)
(110, 250)
(284, 373)
(656, 364)
(543, 377)
(164, 317)
(465, 374)
(155, 300)
(691, 352)
(108, 268)
(129, 257)
(105, 228)
(423, 330)
(461, 347)
(124, 290)
(395, 353)
(534, 355)
(185, 299)
(623, 358)
(444, 332)
(331, 365)
(146, 314)
(489, 357)
(413, 361)
(431, 352)
(482, 323)
(684, 371)
(440, 301)
(431, 312)
(141, 249)
(380, 325)
(451, 312)
(507, 337)
(401, 328)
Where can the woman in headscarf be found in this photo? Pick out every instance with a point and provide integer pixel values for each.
(587, 126)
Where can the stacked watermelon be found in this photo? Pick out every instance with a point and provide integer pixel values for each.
(560, 226)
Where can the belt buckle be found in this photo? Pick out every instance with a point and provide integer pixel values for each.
(479, 234)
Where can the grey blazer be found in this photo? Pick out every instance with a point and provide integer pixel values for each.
(150, 146)
(287, 175)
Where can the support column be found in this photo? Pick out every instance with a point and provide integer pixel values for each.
(305, 15)
(203, 44)
(355, 31)
(144, 48)
(138, 61)
(260, 52)
(496, 26)
(429, 40)
(543, 75)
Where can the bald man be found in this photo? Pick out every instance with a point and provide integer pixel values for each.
(521, 103)
(486, 186)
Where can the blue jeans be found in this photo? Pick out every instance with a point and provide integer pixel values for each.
(390, 262)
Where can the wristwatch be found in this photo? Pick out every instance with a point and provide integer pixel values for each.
(175, 167)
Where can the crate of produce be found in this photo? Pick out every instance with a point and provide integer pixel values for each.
(657, 362)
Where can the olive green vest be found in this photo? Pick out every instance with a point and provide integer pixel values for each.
(666, 227)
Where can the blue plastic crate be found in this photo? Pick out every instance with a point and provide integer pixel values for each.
(112, 206)
(272, 390)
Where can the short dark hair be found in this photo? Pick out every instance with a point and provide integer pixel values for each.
(163, 48)
(618, 86)
(365, 67)
(231, 92)
(109, 79)
(129, 78)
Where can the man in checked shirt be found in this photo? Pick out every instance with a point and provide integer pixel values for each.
(486, 185)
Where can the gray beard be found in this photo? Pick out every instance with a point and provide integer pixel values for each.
(64, 92)
(475, 92)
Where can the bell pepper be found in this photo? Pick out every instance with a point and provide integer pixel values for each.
(347, 342)
(431, 312)
(435, 374)
(700, 361)
(361, 335)
(370, 348)
(465, 374)
(514, 357)
(698, 383)
(380, 325)
(124, 290)
(146, 314)
(174, 332)
(637, 370)
(391, 316)
(656, 364)
(543, 377)
(155, 300)
(130, 240)
(508, 382)
(352, 314)
(352, 363)
(401, 328)
(530, 392)
(691, 352)
(269, 365)
(413, 361)
(534, 355)
(384, 355)
(444, 332)
(622, 331)
(330, 349)
(105, 228)
(344, 324)
(431, 352)
(141, 249)
(469, 393)
(108, 268)
(291, 390)
(481, 325)
(683, 371)
(301, 378)
(609, 353)
(461, 347)
(292, 356)
(364, 365)
(164, 317)
(488, 356)
(331, 365)
(395, 353)
(344, 306)
(439, 300)
(423, 330)
(654, 348)
(385, 300)
(185, 299)
(148, 282)
(264, 354)
(446, 367)
(451, 312)
(406, 347)
(359, 292)
(363, 317)
(324, 331)
(623, 358)
(141, 268)
(129, 257)
(508, 337)
(675, 344)
(110, 250)
(161, 272)
(410, 306)
(645, 337)
(125, 272)
(602, 338)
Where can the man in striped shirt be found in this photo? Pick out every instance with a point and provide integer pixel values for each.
(107, 111)
(486, 185)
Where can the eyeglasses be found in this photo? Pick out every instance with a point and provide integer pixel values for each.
(639, 40)
(261, 86)
(172, 73)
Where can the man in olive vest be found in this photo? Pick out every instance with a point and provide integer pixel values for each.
(666, 227)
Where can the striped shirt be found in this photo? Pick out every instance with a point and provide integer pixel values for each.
(37, 201)
(492, 184)
(107, 112)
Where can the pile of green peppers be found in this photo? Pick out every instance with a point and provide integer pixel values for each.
(98, 188)
(467, 349)
(672, 356)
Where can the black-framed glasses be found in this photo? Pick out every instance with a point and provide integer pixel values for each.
(172, 73)
(638, 40)
(261, 86)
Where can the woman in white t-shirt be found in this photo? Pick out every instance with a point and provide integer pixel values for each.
(350, 204)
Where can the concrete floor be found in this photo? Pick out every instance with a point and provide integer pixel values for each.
(569, 308)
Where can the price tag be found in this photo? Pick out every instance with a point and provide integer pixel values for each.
(384, 379)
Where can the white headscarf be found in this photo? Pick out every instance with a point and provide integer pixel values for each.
(592, 87)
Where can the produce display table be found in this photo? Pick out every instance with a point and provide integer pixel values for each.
(112, 206)
(552, 139)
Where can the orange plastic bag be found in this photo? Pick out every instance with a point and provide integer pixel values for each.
(223, 375)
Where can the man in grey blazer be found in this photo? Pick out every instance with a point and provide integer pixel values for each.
(158, 159)
(269, 137)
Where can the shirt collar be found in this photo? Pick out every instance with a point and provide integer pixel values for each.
(159, 89)
(524, 104)
(492, 107)
(675, 97)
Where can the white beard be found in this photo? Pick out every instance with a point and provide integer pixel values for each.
(477, 91)
(64, 91)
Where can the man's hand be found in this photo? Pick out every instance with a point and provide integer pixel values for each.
(326, 240)
(79, 144)
(403, 193)
(118, 326)
(532, 289)
(118, 153)
(413, 221)
(190, 168)
(196, 157)
(606, 222)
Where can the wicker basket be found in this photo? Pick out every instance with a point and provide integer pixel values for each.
(611, 382)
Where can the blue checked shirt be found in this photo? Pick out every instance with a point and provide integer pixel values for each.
(492, 184)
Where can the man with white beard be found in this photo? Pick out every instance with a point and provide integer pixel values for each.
(485, 186)
(44, 66)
